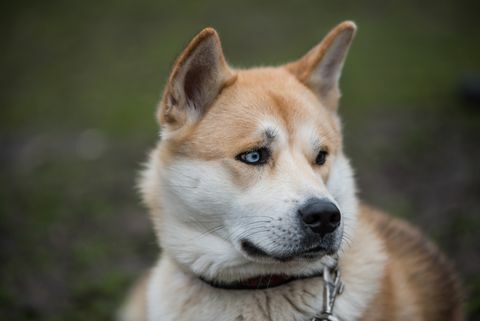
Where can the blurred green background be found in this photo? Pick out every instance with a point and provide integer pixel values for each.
(79, 82)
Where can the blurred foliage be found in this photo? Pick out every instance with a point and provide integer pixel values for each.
(79, 82)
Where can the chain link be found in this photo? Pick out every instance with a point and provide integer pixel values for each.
(332, 287)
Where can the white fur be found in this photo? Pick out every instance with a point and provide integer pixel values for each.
(198, 197)
(176, 294)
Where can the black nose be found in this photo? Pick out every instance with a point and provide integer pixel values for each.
(321, 216)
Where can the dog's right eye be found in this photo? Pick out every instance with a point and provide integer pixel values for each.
(254, 157)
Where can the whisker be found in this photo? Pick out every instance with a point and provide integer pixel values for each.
(209, 232)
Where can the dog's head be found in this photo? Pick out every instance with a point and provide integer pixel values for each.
(249, 176)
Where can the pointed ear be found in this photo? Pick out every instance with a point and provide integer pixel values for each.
(197, 77)
(321, 67)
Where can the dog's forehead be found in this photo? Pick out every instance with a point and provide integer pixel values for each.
(261, 103)
(272, 98)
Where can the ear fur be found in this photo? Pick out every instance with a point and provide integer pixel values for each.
(321, 67)
(198, 76)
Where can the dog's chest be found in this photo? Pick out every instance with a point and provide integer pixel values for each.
(173, 295)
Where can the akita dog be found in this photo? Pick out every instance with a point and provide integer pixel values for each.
(254, 205)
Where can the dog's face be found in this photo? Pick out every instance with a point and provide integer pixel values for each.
(250, 176)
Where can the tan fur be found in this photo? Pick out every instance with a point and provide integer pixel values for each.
(206, 142)
(304, 67)
(422, 282)
(390, 271)
(136, 307)
(167, 113)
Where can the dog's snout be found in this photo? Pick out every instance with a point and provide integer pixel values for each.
(320, 215)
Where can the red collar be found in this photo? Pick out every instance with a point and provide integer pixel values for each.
(259, 282)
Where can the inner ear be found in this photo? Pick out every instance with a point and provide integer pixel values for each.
(198, 76)
(192, 79)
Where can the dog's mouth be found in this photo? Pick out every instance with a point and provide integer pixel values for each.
(311, 252)
(266, 281)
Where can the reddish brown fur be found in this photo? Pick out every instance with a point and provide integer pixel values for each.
(305, 66)
(417, 271)
(239, 109)
(167, 113)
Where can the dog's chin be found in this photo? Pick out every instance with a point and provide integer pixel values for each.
(261, 265)
(257, 254)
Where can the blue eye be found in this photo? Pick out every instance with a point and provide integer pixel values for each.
(252, 157)
(255, 157)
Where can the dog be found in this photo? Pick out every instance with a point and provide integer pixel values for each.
(254, 203)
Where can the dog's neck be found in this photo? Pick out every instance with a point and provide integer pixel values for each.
(177, 294)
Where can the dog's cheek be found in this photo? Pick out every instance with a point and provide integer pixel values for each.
(342, 187)
(324, 170)
(242, 176)
(201, 185)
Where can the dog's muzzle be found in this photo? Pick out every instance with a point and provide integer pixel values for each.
(315, 232)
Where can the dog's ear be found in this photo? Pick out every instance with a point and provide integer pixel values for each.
(321, 67)
(198, 76)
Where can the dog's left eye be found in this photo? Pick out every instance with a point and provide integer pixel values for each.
(255, 157)
(321, 157)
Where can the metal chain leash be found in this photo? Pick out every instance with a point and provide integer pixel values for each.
(332, 287)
